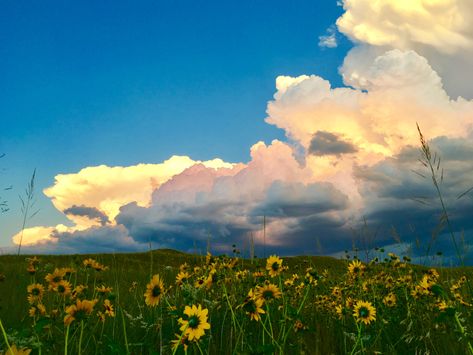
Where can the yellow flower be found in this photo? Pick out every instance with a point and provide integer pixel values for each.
(364, 312)
(154, 291)
(88, 263)
(78, 290)
(195, 324)
(35, 292)
(63, 288)
(268, 292)
(54, 278)
(390, 300)
(273, 265)
(108, 306)
(356, 268)
(182, 277)
(39, 308)
(15, 351)
(253, 306)
(103, 289)
(31, 269)
(67, 271)
(79, 311)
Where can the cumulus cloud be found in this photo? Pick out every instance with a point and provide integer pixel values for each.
(440, 30)
(443, 24)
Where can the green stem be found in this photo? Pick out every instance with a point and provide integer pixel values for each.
(124, 332)
(462, 331)
(66, 340)
(180, 339)
(5, 337)
(80, 337)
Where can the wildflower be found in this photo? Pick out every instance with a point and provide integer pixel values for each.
(88, 263)
(103, 290)
(54, 278)
(298, 326)
(364, 312)
(356, 268)
(273, 265)
(195, 324)
(37, 309)
(78, 290)
(15, 351)
(341, 311)
(268, 292)
(253, 306)
(31, 269)
(182, 277)
(337, 292)
(184, 267)
(63, 288)
(390, 300)
(79, 311)
(68, 271)
(199, 282)
(108, 307)
(35, 292)
(154, 291)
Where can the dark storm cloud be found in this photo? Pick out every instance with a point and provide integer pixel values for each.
(326, 143)
(397, 197)
(90, 212)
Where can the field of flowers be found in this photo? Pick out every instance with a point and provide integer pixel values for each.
(166, 302)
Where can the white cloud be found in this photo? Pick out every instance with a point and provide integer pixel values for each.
(329, 40)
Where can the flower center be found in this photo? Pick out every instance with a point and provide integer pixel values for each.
(156, 291)
(193, 322)
(363, 312)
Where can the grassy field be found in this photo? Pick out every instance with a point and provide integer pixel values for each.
(96, 304)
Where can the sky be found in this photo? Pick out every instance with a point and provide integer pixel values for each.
(186, 122)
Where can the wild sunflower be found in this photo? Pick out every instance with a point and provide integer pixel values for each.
(68, 271)
(273, 265)
(253, 306)
(54, 278)
(77, 291)
(36, 310)
(63, 288)
(35, 292)
(199, 282)
(268, 292)
(103, 289)
(390, 300)
(182, 277)
(195, 324)
(88, 263)
(15, 351)
(79, 311)
(31, 269)
(108, 308)
(356, 268)
(154, 291)
(364, 312)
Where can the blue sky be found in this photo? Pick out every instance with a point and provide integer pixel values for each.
(98, 96)
(120, 83)
(78, 81)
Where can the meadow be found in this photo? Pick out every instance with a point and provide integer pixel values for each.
(168, 302)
